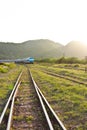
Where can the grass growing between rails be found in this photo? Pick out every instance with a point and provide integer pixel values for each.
(7, 81)
(68, 99)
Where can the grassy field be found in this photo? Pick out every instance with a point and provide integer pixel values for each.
(8, 75)
(59, 69)
(68, 99)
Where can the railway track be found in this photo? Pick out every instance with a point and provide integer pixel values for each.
(74, 76)
(77, 77)
(67, 77)
(73, 68)
(28, 108)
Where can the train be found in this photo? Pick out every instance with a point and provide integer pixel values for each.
(29, 60)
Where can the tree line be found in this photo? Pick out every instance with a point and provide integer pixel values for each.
(63, 60)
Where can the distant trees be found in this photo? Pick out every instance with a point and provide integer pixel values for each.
(63, 60)
(70, 60)
(47, 60)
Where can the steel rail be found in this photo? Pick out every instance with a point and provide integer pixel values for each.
(56, 117)
(42, 104)
(72, 78)
(65, 77)
(9, 99)
(52, 111)
(11, 109)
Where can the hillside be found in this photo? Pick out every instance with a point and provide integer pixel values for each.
(42, 49)
(34, 48)
(75, 49)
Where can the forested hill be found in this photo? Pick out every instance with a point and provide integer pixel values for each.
(33, 48)
(42, 49)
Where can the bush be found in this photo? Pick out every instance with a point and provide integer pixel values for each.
(3, 70)
(10, 65)
(76, 65)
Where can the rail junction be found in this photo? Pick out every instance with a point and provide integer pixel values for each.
(27, 108)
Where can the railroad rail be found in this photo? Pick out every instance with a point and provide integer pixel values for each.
(73, 68)
(53, 122)
(50, 108)
(9, 99)
(67, 77)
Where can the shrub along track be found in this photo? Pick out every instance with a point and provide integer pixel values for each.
(27, 114)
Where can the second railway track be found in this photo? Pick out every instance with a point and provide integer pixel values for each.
(67, 77)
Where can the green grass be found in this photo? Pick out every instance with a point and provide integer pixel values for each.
(5, 67)
(7, 81)
(10, 65)
(29, 118)
(22, 117)
(63, 71)
(3, 70)
(67, 98)
(18, 118)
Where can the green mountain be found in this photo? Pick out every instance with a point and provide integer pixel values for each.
(42, 48)
(33, 48)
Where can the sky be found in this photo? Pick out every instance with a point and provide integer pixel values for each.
(58, 20)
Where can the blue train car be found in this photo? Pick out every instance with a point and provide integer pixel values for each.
(30, 60)
(25, 60)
